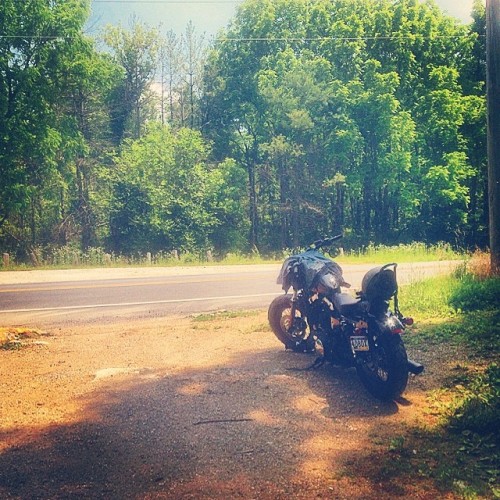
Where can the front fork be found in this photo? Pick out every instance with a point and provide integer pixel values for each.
(293, 323)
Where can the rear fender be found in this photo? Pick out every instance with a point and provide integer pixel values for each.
(390, 325)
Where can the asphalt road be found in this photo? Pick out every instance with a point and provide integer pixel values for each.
(106, 294)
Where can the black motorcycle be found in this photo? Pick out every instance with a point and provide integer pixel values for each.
(361, 331)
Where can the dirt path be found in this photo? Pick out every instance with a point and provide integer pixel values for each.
(181, 408)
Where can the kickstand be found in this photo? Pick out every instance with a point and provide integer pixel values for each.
(318, 363)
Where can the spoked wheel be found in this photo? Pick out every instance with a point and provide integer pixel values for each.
(292, 331)
(384, 371)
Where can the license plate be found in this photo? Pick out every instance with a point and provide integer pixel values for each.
(360, 343)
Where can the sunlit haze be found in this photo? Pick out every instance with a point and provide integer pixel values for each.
(208, 16)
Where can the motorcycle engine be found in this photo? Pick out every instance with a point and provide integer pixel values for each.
(323, 343)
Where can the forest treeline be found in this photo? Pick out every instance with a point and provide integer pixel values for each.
(301, 118)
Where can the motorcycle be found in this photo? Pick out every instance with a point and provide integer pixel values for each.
(359, 331)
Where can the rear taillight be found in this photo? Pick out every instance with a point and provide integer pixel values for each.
(395, 325)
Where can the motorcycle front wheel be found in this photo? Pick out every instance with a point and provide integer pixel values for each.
(291, 331)
(384, 370)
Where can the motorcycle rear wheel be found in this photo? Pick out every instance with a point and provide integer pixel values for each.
(281, 322)
(384, 371)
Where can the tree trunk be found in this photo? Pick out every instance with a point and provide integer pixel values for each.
(283, 204)
(367, 206)
(296, 204)
(33, 220)
(253, 199)
(85, 213)
(493, 90)
(338, 223)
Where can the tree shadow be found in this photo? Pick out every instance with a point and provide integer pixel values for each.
(252, 428)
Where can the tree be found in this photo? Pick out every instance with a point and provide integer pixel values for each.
(396, 107)
(194, 49)
(167, 197)
(37, 38)
(232, 110)
(317, 116)
(136, 51)
(86, 122)
(171, 77)
(296, 94)
(181, 63)
(473, 80)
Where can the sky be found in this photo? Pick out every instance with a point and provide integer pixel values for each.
(208, 16)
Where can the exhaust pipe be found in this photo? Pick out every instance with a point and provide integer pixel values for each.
(415, 368)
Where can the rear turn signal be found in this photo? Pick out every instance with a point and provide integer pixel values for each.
(407, 321)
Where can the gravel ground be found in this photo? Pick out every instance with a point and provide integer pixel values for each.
(206, 408)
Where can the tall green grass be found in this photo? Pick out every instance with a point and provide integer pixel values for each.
(414, 252)
(72, 257)
(476, 294)
(68, 257)
(468, 305)
(477, 407)
(429, 298)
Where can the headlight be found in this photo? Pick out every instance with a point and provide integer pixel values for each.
(328, 283)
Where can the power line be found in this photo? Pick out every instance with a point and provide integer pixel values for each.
(341, 38)
(276, 39)
(167, 1)
(39, 37)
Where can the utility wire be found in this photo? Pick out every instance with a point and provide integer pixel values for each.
(327, 38)
(167, 1)
(39, 37)
(282, 39)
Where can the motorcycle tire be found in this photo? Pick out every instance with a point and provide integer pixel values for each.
(280, 320)
(384, 371)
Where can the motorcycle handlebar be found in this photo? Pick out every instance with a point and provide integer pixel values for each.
(326, 241)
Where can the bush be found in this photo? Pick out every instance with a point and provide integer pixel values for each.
(479, 264)
(474, 294)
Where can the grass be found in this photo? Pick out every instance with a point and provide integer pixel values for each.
(70, 257)
(428, 299)
(458, 449)
(463, 464)
(413, 252)
(476, 294)
(222, 315)
(477, 407)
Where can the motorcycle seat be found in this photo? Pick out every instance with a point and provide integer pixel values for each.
(346, 304)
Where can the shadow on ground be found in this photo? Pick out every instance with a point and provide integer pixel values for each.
(251, 428)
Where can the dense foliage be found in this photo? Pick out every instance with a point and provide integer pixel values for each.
(476, 294)
(165, 195)
(366, 116)
(311, 117)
